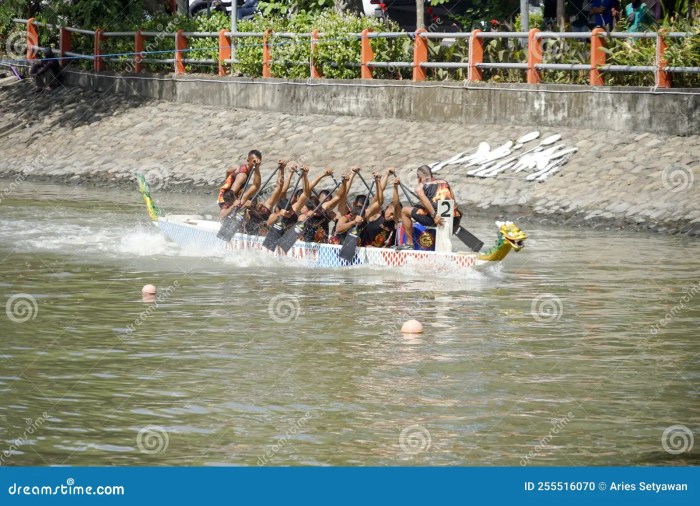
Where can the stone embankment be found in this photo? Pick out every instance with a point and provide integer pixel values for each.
(81, 137)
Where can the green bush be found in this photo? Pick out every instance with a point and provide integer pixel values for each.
(337, 53)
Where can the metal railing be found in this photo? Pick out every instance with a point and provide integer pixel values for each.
(475, 64)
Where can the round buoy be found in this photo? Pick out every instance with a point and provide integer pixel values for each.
(149, 289)
(412, 327)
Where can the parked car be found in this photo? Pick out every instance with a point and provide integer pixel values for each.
(245, 8)
(437, 18)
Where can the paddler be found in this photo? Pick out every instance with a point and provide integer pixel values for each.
(258, 213)
(317, 217)
(381, 223)
(353, 216)
(236, 180)
(429, 190)
(289, 212)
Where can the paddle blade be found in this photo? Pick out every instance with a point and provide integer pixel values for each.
(347, 252)
(273, 236)
(230, 226)
(469, 239)
(290, 238)
(528, 137)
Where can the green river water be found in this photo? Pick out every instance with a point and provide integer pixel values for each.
(555, 357)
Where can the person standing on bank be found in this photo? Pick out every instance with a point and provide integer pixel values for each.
(430, 191)
(603, 12)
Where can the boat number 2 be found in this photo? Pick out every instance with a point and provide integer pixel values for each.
(446, 208)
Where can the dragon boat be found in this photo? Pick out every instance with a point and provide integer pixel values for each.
(200, 232)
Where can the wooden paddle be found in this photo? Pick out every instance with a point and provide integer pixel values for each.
(277, 229)
(347, 252)
(293, 233)
(234, 221)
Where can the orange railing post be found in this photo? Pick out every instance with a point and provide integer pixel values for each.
(180, 47)
(98, 64)
(534, 57)
(476, 56)
(65, 44)
(663, 80)
(266, 72)
(597, 56)
(366, 55)
(138, 49)
(420, 55)
(314, 40)
(32, 39)
(224, 51)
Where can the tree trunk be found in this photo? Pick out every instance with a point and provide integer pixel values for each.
(183, 6)
(354, 6)
(420, 14)
(561, 15)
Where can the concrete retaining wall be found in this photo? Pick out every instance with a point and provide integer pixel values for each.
(620, 109)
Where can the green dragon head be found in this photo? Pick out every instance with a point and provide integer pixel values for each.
(510, 237)
(511, 233)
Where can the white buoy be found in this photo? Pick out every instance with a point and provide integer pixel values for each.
(412, 327)
(150, 289)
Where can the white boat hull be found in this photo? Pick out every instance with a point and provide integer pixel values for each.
(194, 232)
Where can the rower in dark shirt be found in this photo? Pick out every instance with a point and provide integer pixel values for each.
(429, 190)
(381, 224)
